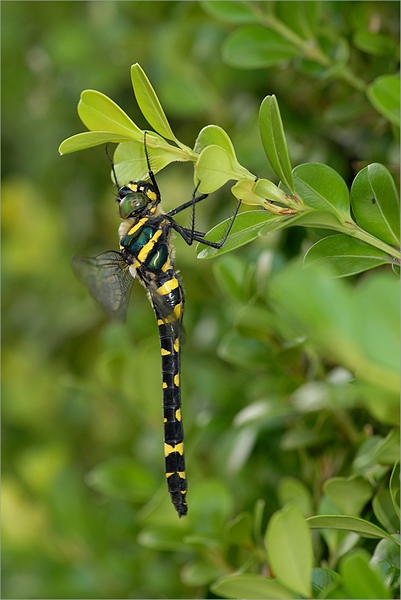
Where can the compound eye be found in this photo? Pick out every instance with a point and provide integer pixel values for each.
(132, 203)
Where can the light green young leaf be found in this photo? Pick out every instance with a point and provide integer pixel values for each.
(100, 113)
(149, 103)
(213, 135)
(360, 579)
(273, 139)
(345, 255)
(89, 139)
(289, 549)
(245, 190)
(295, 491)
(213, 169)
(130, 161)
(375, 203)
(384, 95)
(349, 494)
(250, 586)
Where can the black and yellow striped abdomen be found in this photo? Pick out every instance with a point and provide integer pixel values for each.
(144, 244)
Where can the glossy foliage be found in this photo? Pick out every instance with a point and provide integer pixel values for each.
(290, 375)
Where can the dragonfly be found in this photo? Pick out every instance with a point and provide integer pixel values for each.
(146, 254)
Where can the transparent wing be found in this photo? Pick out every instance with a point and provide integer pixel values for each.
(109, 281)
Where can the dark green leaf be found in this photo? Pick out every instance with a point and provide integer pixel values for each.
(289, 549)
(348, 523)
(273, 139)
(375, 203)
(360, 579)
(322, 188)
(250, 586)
(384, 94)
(395, 488)
(256, 47)
(375, 43)
(246, 228)
(346, 255)
(387, 557)
(245, 352)
(322, 579)
(383, 508)
(301, 17)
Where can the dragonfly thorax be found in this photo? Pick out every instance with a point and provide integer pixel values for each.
(135, 198)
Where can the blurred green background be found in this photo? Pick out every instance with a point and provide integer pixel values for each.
(80, 391)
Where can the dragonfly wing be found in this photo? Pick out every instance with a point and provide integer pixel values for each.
(108, 279)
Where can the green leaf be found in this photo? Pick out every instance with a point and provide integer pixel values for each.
(163, 538)
(273, 139)
(387, 557)
(239, 530)
(255, 47)
(250, 586)
(301, 17)
(395, 488)
(348, 523)
(149, 103)
(266, 189)
(322, 188)
(383, 508)
(245, 229)
(345, 255)
(212, 135)
(245, 352)
(377, 44)
(384, 95)
(294, 491)
(289, 549)
(360, 579)
(375, 203)
(322, 580)
(349, 494)
(199, 572)
(122, 478)
(130, 161)
(89, 139)
(245, 190)
(100, 113)
(230, 12)
(213, 169)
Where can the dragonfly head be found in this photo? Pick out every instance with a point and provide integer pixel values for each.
(135, 197)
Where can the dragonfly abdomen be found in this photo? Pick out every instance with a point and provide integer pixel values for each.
(170, 343)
